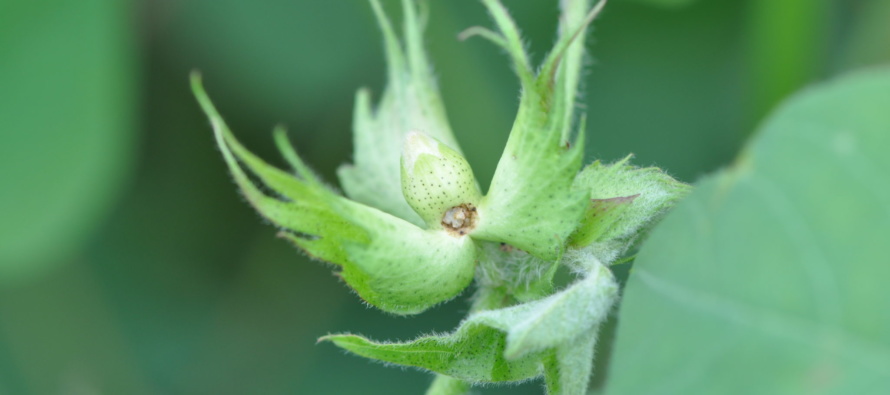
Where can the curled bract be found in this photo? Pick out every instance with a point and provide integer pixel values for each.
(389, 262)
(415, 228)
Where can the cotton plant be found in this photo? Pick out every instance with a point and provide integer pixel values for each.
(412, 228)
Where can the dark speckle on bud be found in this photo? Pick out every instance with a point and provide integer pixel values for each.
(436, 180)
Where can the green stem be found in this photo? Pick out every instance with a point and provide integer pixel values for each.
(551, 374)
(446, 385)
(485, 299)
(624, 260)
(567, 371)
(489, 299)
(787, 48)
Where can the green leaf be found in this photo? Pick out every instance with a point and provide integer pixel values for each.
(531, 203)
(506, 344)
(409, 103)
(68, 93)
(624, 202)
(557, 319)
(772, 276)
(390, 263)
(473, 353)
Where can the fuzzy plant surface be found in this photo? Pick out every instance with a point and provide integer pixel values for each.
(413, 229)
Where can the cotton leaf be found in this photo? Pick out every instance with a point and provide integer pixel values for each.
(472, 353)
(390, 263)
(771, 277)
(557, 319)
(502, 345)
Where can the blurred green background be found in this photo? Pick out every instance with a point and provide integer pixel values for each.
(130, 265)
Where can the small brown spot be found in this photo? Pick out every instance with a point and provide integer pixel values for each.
(459, 220)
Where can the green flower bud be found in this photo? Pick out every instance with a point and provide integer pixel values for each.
(439, 185)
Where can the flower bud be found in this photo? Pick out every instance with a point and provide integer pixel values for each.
(438, 184)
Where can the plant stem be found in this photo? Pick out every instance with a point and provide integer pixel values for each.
(485, 299)
(446, 385)
(489, 299)
(787, 48)
(569, 369)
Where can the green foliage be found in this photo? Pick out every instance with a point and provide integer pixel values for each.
(474, 353)
(410, 102)
(783, 40)
(667, 3)
(555, 320)
(624, 200)
(554, 336)
(540, 213)
(154, 277)
(520, 328)
(530, 203)
(771, 277)
(506, 344)
(67, 132)
(868, 36)
(390, 263)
